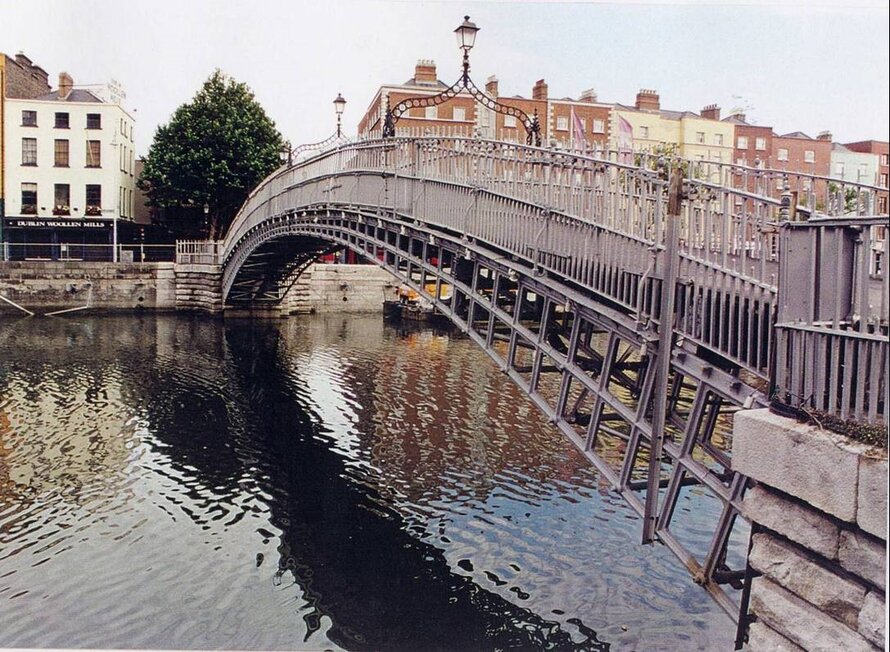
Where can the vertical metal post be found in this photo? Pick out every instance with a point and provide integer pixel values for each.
(663, 365)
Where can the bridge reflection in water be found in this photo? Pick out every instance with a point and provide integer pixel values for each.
(556, 264)
(313, 483)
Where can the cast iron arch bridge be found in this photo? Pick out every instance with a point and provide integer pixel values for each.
(555, 264)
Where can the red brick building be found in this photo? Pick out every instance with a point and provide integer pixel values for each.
(882, 149)
(463, 116)
(753, 143)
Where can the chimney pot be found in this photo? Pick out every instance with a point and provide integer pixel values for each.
(711, 112)
(589, 95)
(66, 83)
(539, 92)
(648, 100)
(491, 86)
(824, 135)
(425, 72)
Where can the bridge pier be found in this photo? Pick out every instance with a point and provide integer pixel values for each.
(819, 535)
(198, 288)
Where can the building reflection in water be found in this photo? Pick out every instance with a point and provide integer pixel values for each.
(309, 483)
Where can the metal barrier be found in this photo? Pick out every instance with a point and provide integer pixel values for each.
(600, 223)
(198, 252)
(78, 252)
(832, 322)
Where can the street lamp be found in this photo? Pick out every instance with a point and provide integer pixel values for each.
(284, 154)
(466, 39)
(294, 154)
(339, 105)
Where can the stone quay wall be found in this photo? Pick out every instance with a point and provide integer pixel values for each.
(819, 523)
(325, 287)
(44, 286)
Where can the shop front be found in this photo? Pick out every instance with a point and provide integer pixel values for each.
(89, 239)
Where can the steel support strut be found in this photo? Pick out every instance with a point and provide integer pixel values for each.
(661, 403)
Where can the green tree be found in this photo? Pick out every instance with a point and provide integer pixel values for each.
(211, 154)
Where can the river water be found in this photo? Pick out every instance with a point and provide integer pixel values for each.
(312, 483)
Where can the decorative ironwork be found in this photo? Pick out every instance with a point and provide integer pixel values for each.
(293, 154)
(531, 124)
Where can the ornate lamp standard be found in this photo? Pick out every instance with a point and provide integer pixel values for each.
(294, 153)
(466, 38)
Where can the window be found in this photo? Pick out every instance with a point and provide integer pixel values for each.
(882, 180)
(94, 120)
(431, 112)
(863, 173)
(782, 155)
(700, 137)
(509, 120)
(760, 143)
(562, 123)
(29, 151)
(94, 199)
(741, 161)
(62, 201)
(29, 199)
(809, 156)
(459, 114)
(644, 132)
(599, 127)
(742, 142)
(718, 139)
(94, 159)
(839, 170)
(61, 153)
(29, 118)
(884, 159)
(62, 121)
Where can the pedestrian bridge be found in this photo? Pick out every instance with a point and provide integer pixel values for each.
(556, 264)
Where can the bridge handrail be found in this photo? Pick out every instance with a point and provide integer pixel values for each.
(832, 322)
(198, 252)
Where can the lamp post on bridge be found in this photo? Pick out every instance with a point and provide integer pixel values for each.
(466, 39)
(290, 155)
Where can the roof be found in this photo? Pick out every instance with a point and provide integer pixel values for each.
(413, 82)
(796, 134)
(837, 147)
(664, 113)
(76, 95)
(736, 120)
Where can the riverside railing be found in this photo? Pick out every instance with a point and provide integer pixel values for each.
(73, 252)
(832, 324)
(596, 222)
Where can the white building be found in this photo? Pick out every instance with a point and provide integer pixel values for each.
(855, 167)
(69, 174)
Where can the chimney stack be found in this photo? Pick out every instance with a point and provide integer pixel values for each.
(539, 92)
(824, 135)
(66, 83)
(648, 100)
(491, 86)
(588, 96)
(711, 112)
(425, 72)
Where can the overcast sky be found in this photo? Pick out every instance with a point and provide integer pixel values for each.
(793, 65)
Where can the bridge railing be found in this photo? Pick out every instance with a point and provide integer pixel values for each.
(598, 222)
(832, 325)
(198, 252)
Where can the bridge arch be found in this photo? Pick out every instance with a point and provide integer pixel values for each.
(553, 264)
